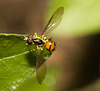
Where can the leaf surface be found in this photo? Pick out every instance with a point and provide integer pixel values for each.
(17, 63)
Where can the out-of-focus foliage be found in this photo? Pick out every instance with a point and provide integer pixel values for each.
(81, 17)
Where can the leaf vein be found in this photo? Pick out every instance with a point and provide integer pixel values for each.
(14, 56)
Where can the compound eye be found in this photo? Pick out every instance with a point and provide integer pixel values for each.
(30, 39)
(30, 36)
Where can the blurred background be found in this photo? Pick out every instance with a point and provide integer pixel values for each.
(78, 53)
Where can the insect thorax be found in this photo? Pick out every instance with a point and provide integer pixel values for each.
(39, 40)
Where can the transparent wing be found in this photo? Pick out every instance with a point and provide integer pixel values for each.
(54, 20)
(40, 68)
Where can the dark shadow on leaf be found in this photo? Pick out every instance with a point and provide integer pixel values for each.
(31, 57)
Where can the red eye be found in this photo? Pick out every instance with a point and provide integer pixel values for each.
(30, 39)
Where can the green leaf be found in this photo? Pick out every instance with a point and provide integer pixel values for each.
(48, 84)
(81, 17)
(17, 63)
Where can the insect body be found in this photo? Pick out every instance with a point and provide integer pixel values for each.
(41, 41)
(48, 44)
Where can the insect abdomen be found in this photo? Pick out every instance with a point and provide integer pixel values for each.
(50, 45)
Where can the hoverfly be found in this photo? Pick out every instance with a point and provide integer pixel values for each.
(45, 42)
